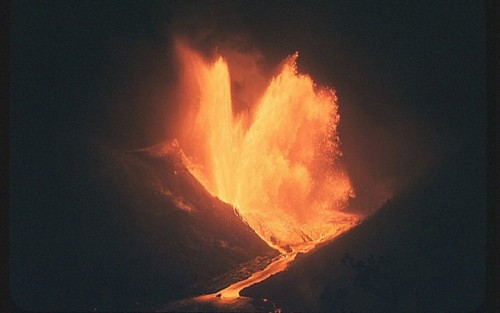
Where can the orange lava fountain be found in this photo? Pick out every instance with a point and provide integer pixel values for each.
(277, 164)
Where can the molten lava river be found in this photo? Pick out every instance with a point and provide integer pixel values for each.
(276, 161)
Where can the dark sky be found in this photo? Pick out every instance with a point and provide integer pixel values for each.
(410, 76)
(75, 56)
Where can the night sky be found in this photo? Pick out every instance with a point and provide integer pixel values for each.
(411, 79)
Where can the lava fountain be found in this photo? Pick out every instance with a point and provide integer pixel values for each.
(276, 162)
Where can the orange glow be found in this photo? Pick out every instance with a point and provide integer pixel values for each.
(275, 162)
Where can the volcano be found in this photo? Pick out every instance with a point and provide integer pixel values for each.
(230, 173)
(179, 229)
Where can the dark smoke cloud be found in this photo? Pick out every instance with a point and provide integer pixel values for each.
(387, 143)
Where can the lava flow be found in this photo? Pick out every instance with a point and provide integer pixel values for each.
(278, 265)
(276, 162)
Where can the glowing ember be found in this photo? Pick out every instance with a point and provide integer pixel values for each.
(276, 163)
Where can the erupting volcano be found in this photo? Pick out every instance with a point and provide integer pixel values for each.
(248, 156)
(275, 161)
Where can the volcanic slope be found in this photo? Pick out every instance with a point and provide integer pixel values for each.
(423, 251)
(167, 237)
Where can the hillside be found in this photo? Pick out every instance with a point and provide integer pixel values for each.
(423, 251)
(143, 223)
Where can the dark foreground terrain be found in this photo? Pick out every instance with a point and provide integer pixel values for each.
(423, 251)
(154, 235)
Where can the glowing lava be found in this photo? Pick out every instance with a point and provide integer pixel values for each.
(278, 265)
(277, 162)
